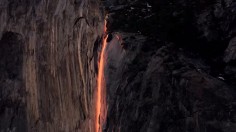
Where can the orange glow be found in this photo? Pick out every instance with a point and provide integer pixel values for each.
(118, 37)
(100, 83)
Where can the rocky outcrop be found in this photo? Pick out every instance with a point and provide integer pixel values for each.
(165, 91)
(176, 73)
(48, 58)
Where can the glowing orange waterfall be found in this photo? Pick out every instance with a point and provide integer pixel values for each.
(100, 84)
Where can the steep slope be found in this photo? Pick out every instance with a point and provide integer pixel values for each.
(176, 73)
(48, 64)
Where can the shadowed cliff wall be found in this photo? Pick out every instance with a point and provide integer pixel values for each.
(176, 71)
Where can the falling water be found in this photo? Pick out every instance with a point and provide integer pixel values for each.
(101, 85)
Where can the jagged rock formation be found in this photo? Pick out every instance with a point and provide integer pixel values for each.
(47, 64)
(177, 70)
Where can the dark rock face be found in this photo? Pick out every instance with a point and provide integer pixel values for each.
(208, 26)
(169, 93)
(177, 72)
(12, 105)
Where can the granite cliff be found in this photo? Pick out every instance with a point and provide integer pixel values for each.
(170, 66)
(47, 64)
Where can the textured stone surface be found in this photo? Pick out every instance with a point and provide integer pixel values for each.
(168, 93)
(170, 65)
(172, 76)
(48, 58)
